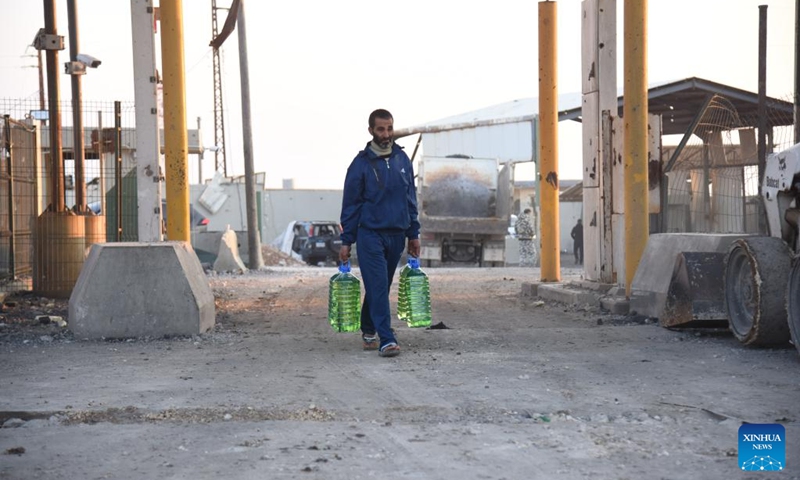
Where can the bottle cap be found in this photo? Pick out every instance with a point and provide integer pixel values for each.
(344, 267)
(413, 262)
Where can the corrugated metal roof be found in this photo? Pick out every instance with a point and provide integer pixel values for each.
(679, 100)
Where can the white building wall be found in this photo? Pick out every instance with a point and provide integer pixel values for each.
(282, 206)
(506, 142)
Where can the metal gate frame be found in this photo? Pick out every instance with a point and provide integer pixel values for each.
(18, 193)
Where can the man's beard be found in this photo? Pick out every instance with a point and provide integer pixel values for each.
(382, 143)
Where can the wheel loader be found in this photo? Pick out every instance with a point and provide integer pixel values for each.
(750, 283)
(762, 273)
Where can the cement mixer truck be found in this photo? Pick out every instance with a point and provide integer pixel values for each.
(464, 208)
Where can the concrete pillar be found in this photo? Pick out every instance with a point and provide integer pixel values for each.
(148, 169)
(599, 87)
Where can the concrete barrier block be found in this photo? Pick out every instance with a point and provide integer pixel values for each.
(228, 259)
(141, 290)
(615, 305)
(530, 289)
(564, 294)
(592, 285)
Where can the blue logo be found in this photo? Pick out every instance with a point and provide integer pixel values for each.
(762, 447)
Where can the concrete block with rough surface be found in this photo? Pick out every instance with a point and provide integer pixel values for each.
(141, 290)
(228, 259)
(569, 294)
(616, 305)
(530, 289)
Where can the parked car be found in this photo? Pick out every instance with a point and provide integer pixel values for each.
(322, 244)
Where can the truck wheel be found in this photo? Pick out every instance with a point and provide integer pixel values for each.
(793, 303)
(756, 273)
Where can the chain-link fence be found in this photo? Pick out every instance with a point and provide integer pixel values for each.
(712, 185)
(48, 215)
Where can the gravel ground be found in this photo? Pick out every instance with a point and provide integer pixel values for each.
(512, 389)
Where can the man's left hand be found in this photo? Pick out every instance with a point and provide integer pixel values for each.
(413, 247)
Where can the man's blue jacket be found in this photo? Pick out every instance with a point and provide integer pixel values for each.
(379, 194)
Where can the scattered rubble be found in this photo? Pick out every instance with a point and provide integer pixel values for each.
(276, 258)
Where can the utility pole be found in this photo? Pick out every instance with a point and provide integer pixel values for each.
(255, 260)
(236, 14)
(77, 114)
(53, 43)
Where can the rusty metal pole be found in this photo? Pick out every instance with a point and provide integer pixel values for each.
(254, 259)
(637, 220)
(101, 160)
(762, 93)
(41, 79)
(176, 140)
(53, 98)
(201, 155)
(548, 147)
(77, 114)
(118, 165)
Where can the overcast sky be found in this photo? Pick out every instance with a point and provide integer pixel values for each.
(318, 67)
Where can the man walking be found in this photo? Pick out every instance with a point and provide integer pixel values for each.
(379, 212)
(524, 231)
(577, 242)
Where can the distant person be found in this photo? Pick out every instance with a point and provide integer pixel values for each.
(524, 231)
(379, 212)
(577, 242)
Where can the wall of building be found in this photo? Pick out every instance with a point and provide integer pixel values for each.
(282, 206)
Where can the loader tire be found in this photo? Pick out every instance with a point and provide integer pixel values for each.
(756, 274)
(793, 303)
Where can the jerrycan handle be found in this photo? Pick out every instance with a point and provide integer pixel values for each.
(413, 262)
(344, 267)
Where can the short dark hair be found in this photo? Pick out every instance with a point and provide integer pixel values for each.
(379, 113)
(527, 210)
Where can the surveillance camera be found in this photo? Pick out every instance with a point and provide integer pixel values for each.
(88, 60)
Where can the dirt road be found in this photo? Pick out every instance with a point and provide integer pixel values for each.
(510, 390)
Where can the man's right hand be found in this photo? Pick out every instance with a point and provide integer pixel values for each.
(344, 253)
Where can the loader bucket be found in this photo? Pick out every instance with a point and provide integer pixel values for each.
(696, 295)
(652, 280)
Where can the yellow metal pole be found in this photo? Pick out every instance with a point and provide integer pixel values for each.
(175, 135)
(637, 221)
(548, 145)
